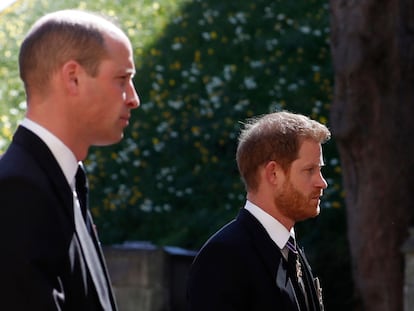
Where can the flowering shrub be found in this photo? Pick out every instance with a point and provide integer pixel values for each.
(203, 67)
(174, 179)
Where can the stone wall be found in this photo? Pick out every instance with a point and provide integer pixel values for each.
(148, 278)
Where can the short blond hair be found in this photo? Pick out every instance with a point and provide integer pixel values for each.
(59, 37)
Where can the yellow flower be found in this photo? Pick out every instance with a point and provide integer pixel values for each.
(197, 56)
(323, 120)
(195, 130)
(336, 204)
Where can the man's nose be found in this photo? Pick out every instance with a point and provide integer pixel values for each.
(132, 99)
(322, 182)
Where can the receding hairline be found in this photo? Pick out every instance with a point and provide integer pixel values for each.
(104, 27)
(80, 16)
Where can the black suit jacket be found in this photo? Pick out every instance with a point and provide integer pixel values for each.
(41, 262)
(241, 268)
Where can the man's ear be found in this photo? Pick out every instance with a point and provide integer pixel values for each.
(273, 172)
(70, 76)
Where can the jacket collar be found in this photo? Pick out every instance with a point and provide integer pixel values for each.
(34, 146)
(270, 254)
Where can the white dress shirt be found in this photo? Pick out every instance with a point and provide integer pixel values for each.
(277, 232)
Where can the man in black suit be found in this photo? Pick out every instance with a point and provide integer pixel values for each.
(77, 70)
(253, 262)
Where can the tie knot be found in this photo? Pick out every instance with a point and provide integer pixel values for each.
(80, 176)
(81, 181)
(81, 184)
(291, 245)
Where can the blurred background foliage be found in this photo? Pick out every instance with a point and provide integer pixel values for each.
(203, 67)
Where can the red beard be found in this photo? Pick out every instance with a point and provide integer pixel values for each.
(296, 206)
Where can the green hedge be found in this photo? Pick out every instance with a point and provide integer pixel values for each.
(203, 67)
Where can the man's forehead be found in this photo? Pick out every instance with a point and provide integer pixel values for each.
(310, 151)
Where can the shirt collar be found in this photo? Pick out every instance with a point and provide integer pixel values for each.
(277, 232)
(63, 155)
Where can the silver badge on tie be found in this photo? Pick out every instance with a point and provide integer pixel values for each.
(298, 268)
(319, 292)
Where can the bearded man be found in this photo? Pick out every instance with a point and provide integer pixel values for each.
(253, 263)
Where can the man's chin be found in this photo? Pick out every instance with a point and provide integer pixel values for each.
(311, 213)
(316, 210)
(109, 141)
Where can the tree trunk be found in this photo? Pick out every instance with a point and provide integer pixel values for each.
(372, 120)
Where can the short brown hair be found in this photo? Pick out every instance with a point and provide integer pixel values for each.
(59, 37)
(274, 137)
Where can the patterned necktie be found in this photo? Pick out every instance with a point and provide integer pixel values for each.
(294, 262)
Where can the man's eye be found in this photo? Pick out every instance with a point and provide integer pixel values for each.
(312, 170)
(123, 79)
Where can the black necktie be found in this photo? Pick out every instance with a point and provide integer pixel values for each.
(82, 189)
(90, 252)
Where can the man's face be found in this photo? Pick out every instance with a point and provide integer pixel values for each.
(110, 96)
(298, 198)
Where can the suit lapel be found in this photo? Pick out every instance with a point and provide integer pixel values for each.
(24, 138)
(309, 279)
(95, 240)
(264, 245)
(270, 254)
(283, 281)
(39, 150)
